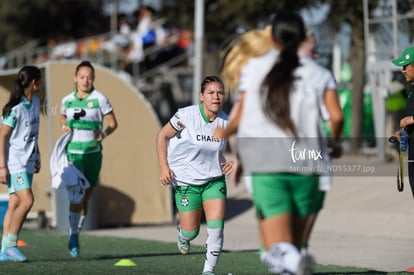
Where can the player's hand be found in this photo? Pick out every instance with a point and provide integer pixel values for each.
(238, 172)
(398, 136)
(336, 152)
(166, 175)
(4, 173)
(65, 128)
(38, 165)
(405, 121)
(226, 167)
(99, 135)
(335, 149)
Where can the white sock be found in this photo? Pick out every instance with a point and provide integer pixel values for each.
(214, 245)
(4, 243)
(282, 257)
(12, 240)
(74, 218)
(81, 222)
(304, 251)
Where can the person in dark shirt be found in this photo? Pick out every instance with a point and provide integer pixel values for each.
(406, 61)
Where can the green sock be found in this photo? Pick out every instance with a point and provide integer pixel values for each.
(304, 248)
(262, 249)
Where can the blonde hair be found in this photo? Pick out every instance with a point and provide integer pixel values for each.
(248, 45)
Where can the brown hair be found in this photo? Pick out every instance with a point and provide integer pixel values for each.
(288, 31)
(85, 64)
(210, 79)
(24, 77)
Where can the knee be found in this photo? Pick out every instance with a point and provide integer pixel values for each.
(27, 203)
(190, 234)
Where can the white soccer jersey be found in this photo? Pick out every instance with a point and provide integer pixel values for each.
(265, 147)
(193, 154)
(20, 148)
(84, 116)
(330, 85)
(64, 174)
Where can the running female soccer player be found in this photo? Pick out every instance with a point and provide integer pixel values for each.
(192, 160)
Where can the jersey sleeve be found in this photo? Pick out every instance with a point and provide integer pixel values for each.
(330, 85)
(177, 120)
(331, 82)
(105, 105)
(11, 119)
(63, 107)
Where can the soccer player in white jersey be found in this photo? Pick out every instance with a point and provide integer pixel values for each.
(19, 154)
(192, 160)
(256, 43)
(332, 113)
(278, 114)
(83, 111)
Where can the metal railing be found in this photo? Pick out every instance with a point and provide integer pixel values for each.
(166, 85)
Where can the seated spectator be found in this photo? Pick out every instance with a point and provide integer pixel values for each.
(123, 26)
(122, 37)
(145, 27)
(66, 48)
(133, 56)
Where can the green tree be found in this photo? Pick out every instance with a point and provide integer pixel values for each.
(223, 19)
(352, 13)
(22, 21)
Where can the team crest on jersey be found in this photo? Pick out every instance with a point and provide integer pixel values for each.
(90, 104)
(184, 201)
(20, 180)
(180, 125)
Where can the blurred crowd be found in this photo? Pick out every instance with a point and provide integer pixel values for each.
(142, 42)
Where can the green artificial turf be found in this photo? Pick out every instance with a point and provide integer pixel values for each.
(48, 254)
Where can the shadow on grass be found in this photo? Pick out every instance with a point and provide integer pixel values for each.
(141, 255)
(236, 207)
(136, 255)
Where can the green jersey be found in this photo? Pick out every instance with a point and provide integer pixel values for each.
(84, 116)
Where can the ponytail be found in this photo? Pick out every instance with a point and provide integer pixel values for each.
(288, 31)
(25, 76)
